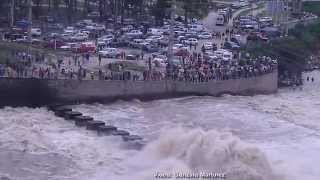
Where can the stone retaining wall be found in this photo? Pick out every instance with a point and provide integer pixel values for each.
(35, 92)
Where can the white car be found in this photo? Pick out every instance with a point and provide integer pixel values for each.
(157, 38)
(109, 52)
(36, 32)
(94, 14)
(127, 28)
(69, 30)
(90, 27)
(80, 37)
(196, 27)
(208, 46)
(134, 33)
(100, 27)
(155, 32)
(106, 38)
(192, 41)
(225, 55)
(22, 39)
(178, 47)
(205, 35)
(69, 46)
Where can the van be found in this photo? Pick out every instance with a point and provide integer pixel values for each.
(220, 20)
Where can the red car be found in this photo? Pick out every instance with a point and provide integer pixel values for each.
(182, 52)
(51, 44)
(86, 47)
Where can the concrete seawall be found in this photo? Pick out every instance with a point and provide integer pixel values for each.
(34, 92)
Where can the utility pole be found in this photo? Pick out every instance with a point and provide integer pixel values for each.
(171, 37)
(12, 13)
(29, 20)
(116, 13)
(287, 17)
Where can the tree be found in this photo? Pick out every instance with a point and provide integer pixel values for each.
(37, 9)
(194, 8)
(159, 10)
(70, 9)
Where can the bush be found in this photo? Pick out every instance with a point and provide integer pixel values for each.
(292, 52)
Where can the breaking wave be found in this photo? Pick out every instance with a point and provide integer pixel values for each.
(193, 151)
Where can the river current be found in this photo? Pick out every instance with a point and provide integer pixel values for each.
(261, 137)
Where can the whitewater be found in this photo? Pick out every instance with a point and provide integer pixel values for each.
(259, 137)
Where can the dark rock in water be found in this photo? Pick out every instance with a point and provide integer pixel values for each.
(106, 130)
(93, 125)
(62, 108)
(120, 133)
(52, 107)
(70, 115)
(132, 138)
(82, 120)
(60, 111)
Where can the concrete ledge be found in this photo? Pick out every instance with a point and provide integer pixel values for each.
(82, 120)
(70, 115)
(94, 125)
(12, 91)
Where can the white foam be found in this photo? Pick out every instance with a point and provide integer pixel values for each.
(182, 150)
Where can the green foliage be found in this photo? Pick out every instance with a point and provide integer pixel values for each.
(195, 8)
(292, 52)
(159, 10)
(312, 6)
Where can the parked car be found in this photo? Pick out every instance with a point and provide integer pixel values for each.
(21, 39)
(231, 46)
(100, 27)
(85, 47)
(178, 47)
(36, 32)
(205, 35)
(110, 53)
(252, 37)
(209, 46)
(235, 40)
(79, 37)
(209, 56)
(136, 43)
(94, 14)
(182, 52)
(150, 48)
(55, 26)
(133, 55)
(154, 31)
(192, 41)
(69, 46)
(107, 39)
(134, 33)
(54, 43)
(69, 30)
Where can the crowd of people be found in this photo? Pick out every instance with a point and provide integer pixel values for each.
(193, 68)
(196, 69)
